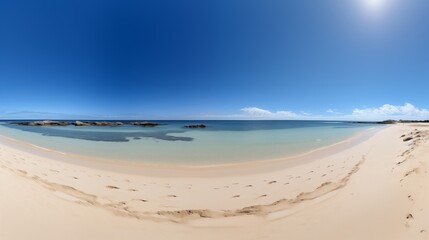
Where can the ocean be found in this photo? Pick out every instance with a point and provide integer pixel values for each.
(171, 143)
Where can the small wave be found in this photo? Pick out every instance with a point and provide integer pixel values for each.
(47, 149)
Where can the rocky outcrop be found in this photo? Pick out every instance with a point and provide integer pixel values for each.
(144, 124)
(84, 123)
(43, 123)
(196, 126)
(380, 122)
(90, 123)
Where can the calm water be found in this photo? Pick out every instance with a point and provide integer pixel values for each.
(220, 142)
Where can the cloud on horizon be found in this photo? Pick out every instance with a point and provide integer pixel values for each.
(384, 112)
(258, 112)
(407, 110)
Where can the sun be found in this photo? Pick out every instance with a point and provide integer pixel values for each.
(375, 5)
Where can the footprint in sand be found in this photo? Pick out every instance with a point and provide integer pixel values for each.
(236, 196)
(172, 196)
(249, 185)
(132, 190)
(112, 187)
(22, 172)
(272, 182)
(262, 196)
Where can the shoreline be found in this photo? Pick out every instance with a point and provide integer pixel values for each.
(375, 189)
(177, 170)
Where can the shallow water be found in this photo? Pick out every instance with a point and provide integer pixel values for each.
(220, 142)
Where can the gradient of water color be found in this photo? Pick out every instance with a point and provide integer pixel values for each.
(221, 142)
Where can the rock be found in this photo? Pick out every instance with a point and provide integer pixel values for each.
(196, 126)
(43, 123)
(388, 122)
(83, 123)
(80, 124)
(380, 122)
(88, 123)
(145, 124)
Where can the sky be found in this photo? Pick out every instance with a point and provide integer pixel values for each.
(193, 59)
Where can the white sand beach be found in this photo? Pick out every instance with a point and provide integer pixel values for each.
(375, 189)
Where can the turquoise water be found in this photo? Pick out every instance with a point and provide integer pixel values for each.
(221, 142)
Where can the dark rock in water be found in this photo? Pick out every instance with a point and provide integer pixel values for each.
(83, 123)
(88, 123)
(105, 123)
(144, 124)
(196, 126)
(43, 123)
(381, 122)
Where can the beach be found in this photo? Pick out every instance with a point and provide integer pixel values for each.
(376, 188)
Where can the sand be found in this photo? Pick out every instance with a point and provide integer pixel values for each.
(372, 189)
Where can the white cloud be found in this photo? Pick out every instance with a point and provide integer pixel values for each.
(392, 111)
(305, 113)
(255, 112)
(333, 111)
(387, 111)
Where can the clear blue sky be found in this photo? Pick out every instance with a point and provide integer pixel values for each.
(214, 59)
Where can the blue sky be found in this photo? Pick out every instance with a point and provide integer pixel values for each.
(331, 59)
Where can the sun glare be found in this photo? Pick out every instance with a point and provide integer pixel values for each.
(375, 5)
